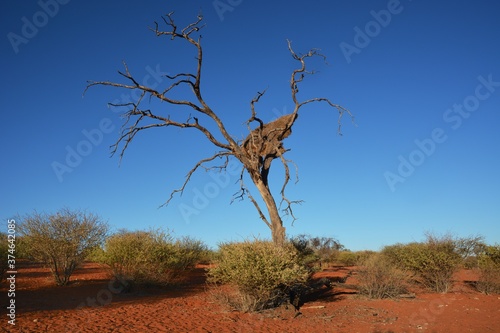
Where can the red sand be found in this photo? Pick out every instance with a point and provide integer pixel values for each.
(90, 304)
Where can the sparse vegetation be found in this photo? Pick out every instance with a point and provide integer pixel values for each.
(257, 270)
(433, 262)
(4, 251)
(489, 265)
(150, 257)
(347, 258)
(379, 278)
(469, 249)
(315, 251)
(62, 240)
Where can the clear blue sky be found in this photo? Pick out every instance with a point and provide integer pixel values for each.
(421, 77)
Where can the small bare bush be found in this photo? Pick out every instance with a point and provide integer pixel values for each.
(380, 278)
(150, 257)
(469, 248)
(257, 271)
(63, 240)
(489, 266)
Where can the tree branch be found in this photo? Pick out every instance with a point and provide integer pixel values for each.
(288, 209)
(245, 192)
(198, 165)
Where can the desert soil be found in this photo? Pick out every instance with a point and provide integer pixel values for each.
(91, 303)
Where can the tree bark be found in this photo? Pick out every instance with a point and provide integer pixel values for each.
(275, 223)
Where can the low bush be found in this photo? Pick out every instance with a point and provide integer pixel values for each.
(489, 267)
(150, 257)
(61, 241)
(4, 251)
(433, 262)
(347, 258)
(315, 251)
(259, 271)
(379, 278)
(469, 248)
(365, 255)
(22, 250)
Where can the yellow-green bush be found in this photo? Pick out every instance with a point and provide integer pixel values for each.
(258, 269)
(150, 257)
(315, 251)
(379, 278)
(347, 258)
(61, 241)
(434, 262)
(489, 265)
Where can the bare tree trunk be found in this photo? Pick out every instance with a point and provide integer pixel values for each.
(275, 222)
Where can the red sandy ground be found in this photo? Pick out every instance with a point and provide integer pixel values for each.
(43, 307)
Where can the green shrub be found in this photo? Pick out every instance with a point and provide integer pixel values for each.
(208, 256)
(315, 251)
(258, 270)
(434, 262)
(489, 266)
(150, 257)
(379, 278)
(306, 253)
(22, 250)
(348, 258)
(62, 240)
(364, 255)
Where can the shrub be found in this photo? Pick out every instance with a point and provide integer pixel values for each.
(316, 250)
(61, 241)
(489, 266)
(150, 257)
(348, 258)
(469, 249)
(434, 262)
(22, 251)
(364, 255)
(207, 257)
(4, 251)
(258, 270)
(306, 253)
(380, 278)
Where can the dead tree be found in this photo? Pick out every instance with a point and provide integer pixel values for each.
(256, 153)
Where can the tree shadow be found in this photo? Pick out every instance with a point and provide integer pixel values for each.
(330, 285)
(93, 293)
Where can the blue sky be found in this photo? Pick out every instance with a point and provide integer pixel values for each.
(422, 79)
